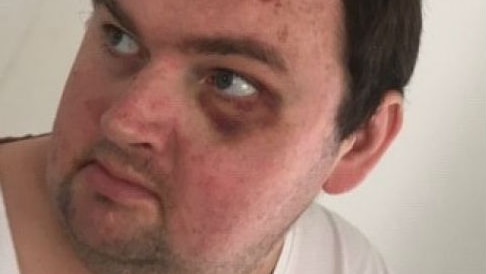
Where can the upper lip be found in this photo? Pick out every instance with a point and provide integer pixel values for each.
(126, 173)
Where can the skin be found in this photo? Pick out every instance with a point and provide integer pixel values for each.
(228, 174)
(37, 236)
(219, 187)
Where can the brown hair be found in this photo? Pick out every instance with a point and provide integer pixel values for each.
(381, 48)
(382, 38)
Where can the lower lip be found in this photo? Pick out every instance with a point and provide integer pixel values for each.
(118, 190)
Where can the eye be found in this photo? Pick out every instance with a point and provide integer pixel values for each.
(231, 84)
(119, 42)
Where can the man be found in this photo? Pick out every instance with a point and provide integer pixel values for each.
(191, 139)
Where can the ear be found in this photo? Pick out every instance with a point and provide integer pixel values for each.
(360, 152)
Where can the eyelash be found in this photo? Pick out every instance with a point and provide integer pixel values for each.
(110, 29)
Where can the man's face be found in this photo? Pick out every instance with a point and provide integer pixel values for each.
(193, 134)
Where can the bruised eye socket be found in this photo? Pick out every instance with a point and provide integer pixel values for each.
(120, 42)
(231, 84)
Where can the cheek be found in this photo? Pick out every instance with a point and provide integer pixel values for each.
(80, 109)
(259, 164)
(89, 89)
(220, 195)
(237, 181)
(233, 194)
(76, 126)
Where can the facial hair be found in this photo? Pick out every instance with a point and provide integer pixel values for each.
(148, 251)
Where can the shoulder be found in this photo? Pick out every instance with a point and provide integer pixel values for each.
(337, 242)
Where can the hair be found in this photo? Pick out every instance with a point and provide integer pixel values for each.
(382, 39)
(381, 45)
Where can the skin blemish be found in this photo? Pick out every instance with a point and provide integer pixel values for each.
(283, 34)
(277, 3)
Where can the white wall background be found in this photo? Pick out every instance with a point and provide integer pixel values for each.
(424, 207)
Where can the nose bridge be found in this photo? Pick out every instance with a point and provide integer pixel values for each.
(153, 93)
(145, 111)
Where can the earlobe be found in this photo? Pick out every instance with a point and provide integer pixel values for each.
(360, 152)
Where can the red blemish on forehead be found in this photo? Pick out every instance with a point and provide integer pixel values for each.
(283, 34)
(277, 3)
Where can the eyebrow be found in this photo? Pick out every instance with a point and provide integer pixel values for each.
(219, 45)
(243, 46)
(118, 13)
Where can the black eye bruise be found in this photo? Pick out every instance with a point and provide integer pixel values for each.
(242, 119)
(227, 125)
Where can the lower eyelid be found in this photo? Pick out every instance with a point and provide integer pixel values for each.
(243, 103)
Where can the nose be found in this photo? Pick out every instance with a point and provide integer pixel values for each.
(144, 114)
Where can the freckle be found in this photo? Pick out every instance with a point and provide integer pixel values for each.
(276, 3)
(283, 34)
(154, 105)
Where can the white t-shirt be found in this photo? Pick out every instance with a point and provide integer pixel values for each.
(320, 242)
(8, 261)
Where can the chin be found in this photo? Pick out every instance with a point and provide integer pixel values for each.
(101, 226)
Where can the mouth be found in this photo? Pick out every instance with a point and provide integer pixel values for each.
(117, 184)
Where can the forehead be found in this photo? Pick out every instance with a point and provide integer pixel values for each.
(236, 12)
(292, 26)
